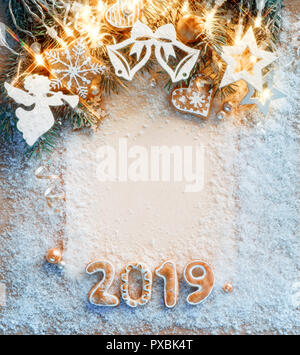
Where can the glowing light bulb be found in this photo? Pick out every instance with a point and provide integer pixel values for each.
(185, 7)
(209, 20)
(68, 31)
(258, 21)
(93, 31)
(266, 94)
(85, 12)
(100, 6)
(39, 60)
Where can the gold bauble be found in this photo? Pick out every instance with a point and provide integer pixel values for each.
(189, 28)
(54, 256)
(228, 287)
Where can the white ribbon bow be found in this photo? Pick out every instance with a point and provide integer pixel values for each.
(163, 39)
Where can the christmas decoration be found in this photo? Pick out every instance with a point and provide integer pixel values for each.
(54, 192)
(123, 14)
(74, 68)
(33, 124)
(54, 256)
(228, 287)
(85, 48)
(195, 99)
(245, 61)
(264, 99)
(164, 40)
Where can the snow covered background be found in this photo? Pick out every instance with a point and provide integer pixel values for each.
(245, 222)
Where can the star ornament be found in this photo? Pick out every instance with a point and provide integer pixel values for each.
(264, 99)
(245, 61)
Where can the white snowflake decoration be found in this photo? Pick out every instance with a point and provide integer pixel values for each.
(74, 68)
(197, 99)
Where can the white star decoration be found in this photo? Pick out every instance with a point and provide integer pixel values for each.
(258, 59)
(264, 100)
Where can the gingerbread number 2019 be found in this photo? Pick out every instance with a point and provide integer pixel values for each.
(99, 295)
(199, 274)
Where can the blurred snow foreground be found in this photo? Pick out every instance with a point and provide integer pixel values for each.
(244, 223)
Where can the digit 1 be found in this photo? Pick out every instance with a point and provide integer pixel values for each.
(167, 271)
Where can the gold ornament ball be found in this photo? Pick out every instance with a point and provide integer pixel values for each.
(54, 256)
(188, 28)
(228, 287)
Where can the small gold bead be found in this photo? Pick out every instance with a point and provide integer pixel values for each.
(228, 287)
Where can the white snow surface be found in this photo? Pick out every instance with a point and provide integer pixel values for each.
(245, 222)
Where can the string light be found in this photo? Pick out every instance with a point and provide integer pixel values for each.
(265, 95)
(210, 20)
(258, 21)
(39, 60)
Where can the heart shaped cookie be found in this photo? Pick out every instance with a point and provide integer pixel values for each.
(123, 14)
(196, 99)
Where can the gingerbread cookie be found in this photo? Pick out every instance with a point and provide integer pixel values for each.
(196, 99)
(147, 284)
(99, 295)
(199, 274)
(167, 271)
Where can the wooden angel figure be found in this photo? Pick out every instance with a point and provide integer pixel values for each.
(35, 122)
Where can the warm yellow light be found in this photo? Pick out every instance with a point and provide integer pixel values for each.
(209, 20)
(85, 13)
(93, 31)
(258, 21)
(266, 94)
(100, 6)
(185, 7)
(69, 32)
(39, 59)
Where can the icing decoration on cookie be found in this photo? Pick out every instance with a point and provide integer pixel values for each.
(167, 271)
(204, 281)
(123, 14)
(147, 284)
(99, 295)
(196, 98)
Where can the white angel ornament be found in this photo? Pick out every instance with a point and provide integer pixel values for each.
(39, 120)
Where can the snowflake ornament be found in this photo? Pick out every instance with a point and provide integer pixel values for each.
(74, 68)
(197, 99)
